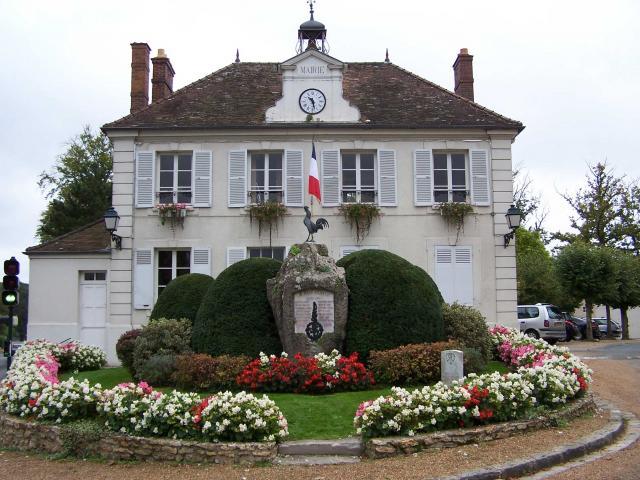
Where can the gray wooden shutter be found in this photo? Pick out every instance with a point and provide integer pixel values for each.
(144, 179)
(444, 274)
(463, 271)
(143, 279)
(201, 260)
(480, 177)
(293, 185)
(202, 181)
(423, 178)
(387, 188)
(330, 178)
(235, 255)
(237, 178)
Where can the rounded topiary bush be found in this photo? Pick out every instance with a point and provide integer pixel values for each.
(235, 317)
(391, 303)
(182, 297)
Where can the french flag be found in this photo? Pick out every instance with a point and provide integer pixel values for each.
(314, 178)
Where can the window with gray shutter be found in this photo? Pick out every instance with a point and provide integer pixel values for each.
(422, 178)
(202, 180)
(144, 179)
(480, 177)
(237, 178)
(294, 186)
(387, 189)
(330, 183)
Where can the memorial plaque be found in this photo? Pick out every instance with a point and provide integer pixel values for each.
(451, 365)
(303, 307)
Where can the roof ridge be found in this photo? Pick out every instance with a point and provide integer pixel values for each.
(186, 87)
(64, 235)
(481, 107)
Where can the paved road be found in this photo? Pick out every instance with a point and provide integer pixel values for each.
(607, 350)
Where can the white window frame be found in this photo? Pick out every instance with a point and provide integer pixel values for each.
(284, 252)
(358, 188)
(450, 190)
(175, 189)
(266, 191)
(174, 266)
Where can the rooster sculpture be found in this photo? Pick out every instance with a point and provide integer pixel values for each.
(320, 224)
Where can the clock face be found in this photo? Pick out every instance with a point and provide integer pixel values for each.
(312, 101)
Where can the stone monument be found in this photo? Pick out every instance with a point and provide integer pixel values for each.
(309, 298)
(451, 366)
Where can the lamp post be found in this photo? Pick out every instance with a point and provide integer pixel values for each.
(111, 220)
(514, 217)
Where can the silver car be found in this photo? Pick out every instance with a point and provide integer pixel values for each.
(542, 321)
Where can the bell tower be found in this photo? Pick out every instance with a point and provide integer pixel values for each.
(312, 34)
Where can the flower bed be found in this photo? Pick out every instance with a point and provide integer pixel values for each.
(319, 374)
(32, 390)
(545, 375)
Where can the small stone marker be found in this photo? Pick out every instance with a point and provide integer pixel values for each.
(451, 366)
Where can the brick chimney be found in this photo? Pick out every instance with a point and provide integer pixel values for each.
(463, 74)
(162, 81)
(139, 76)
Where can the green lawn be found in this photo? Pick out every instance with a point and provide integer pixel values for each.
(309, 416)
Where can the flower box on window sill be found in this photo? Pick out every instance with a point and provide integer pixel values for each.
(173, 213)
(454, 214)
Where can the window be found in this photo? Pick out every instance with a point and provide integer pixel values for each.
(265, 180)
(450, 177)
(172, 264)
(528, 312)
(358, 178)
(277, 253)
(175, 178)
(95, 276)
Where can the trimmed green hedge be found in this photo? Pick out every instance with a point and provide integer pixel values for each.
(391, 303)
(235, 317)
(182, 297)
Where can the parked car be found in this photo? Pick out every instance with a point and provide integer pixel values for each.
(542, 321)
(616, 330)
(573, 332)
(581, 323)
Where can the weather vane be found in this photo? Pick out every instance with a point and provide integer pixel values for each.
(311, 2)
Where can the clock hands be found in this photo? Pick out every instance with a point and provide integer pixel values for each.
(313, 102)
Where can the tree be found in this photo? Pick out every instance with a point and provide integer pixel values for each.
(536, 273)
(588, 272)
(629, 225)
(528, 201)
(597, 208)
(79, 185)
(627, 293)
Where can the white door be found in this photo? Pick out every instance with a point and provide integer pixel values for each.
(93, 311)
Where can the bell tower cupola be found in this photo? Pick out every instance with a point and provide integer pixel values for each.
(312, 34)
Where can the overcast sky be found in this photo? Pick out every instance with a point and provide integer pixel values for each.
(568, 70)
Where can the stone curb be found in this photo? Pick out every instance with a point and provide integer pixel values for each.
(352, 446)
(384, 447)
(596, 441)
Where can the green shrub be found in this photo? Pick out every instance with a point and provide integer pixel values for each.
(391, 303)
(162, 337)
(124, 349)
(79, 437)
(235, 317)
(415, 364)
(467, 326)
(182, 297)
(158, 370)
(473, 361)
(199, 371)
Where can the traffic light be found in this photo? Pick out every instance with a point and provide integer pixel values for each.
(10, 282)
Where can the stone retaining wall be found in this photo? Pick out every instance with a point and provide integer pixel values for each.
(25, 435)
(391, 446)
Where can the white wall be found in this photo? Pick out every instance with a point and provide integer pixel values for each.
(54, 303)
